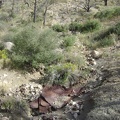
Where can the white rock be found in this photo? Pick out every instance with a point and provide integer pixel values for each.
(10, 94)
(31, 87)
(5, 118)
(8, 45)
(96, 54)
(5, 82)
(74, 103)
(92, 62)
(77, 106)
(5, 75)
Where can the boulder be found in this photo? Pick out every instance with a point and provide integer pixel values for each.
(57, 96)
(8, 46)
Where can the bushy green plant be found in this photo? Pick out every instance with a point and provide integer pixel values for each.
(88, 26)
(4, 16)
(69, 41)
(105, 34)
(76, 58)
(104, 14)
(3, 25)
(91, 26)
(8, 37)
(117, 12)
(3, 54)
(61, 73)
(1, 46)
(106, 42)
(65, 66)
(74, 26)
(116, 29)
(32, 48)
(13, 105)
(59, 28)
(108, 14)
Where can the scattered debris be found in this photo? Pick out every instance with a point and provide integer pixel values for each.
(28, 91)
(54, 97)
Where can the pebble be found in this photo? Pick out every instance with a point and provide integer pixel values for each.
(74, 108)
(75, 115)
(5, 75)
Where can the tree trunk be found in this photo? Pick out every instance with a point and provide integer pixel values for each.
(44, 16)
(0, 4)
(12, 10)
(34, 13)
(105, 2)
(88, 5)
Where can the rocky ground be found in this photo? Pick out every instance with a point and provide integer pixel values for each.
(100, 100)
(107, 95)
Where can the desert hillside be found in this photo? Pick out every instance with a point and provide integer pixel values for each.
(59, 60)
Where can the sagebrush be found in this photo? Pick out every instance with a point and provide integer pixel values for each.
(33, 47)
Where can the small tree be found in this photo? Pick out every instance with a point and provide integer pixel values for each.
(34, 13)
(87, 4)
(46, 4)
(12, 10)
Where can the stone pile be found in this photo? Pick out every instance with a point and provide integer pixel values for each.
(74, 108)
(93, 56)
(28, 91)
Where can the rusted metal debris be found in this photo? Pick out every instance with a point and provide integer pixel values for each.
(54, 97)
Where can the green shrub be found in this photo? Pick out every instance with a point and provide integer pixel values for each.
(75, 27)
(106, 33)
(104, 14)
(4, 16)
(61, 73)
(108, 14)
(106, 42)
(14, 105)
(59, 28)
(3, 26)
(116, 29)
(76, 58)
(1, 46)
(117, 12)
(90, 26)
(69, 41)
(8, 37)
(3, 54)
(108, 37)
(32, 48)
